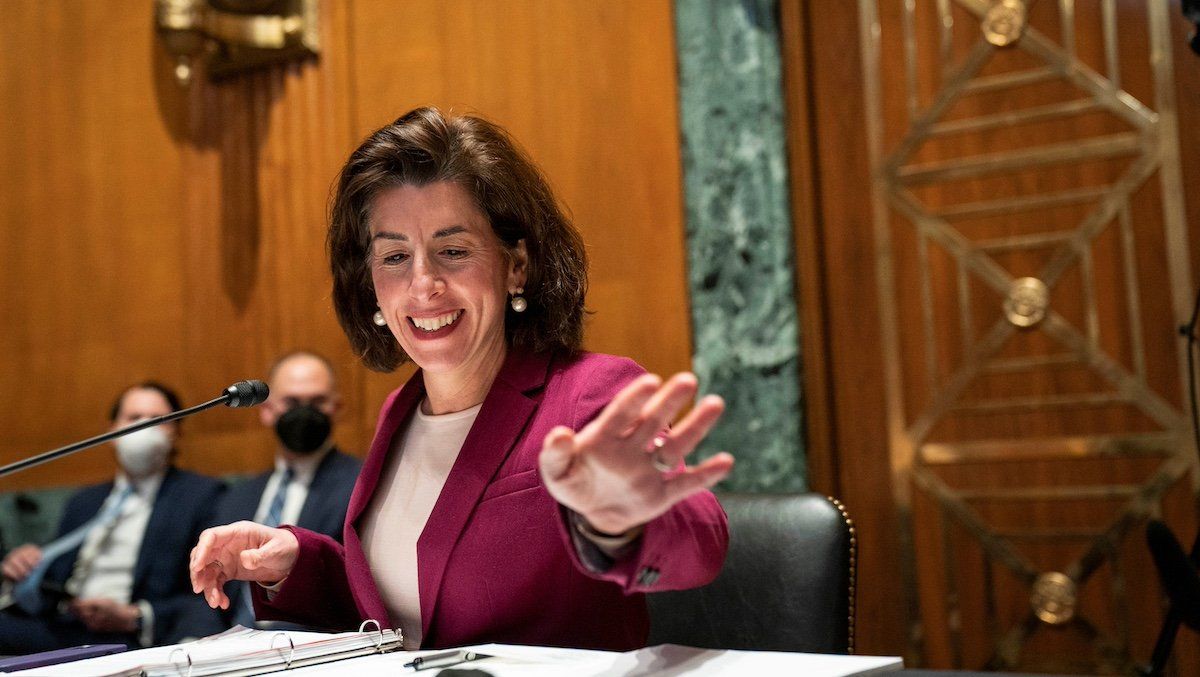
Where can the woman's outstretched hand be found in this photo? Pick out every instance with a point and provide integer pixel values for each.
(614, 473)
(242, 551)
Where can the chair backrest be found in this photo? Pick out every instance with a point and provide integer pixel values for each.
(787, 584)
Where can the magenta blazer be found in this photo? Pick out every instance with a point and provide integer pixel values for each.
(496, 562)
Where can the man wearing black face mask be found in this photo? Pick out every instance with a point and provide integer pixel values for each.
(311, 483)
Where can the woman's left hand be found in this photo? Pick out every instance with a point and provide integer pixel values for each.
(612, 472)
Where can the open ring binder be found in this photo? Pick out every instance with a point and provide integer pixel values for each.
(244, 652)
(186, 655)
(362, 627)
(291, 654)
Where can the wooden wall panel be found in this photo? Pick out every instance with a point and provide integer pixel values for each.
(178, 234)
(589, 90)
(89, 182)
(184, 240)
(848, 302)
(846, 296)
(268, 145)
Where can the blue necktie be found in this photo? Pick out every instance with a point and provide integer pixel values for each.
(28, 592)
(245, 612)
(275, 511)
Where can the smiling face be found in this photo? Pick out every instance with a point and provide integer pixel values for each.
(441, 279)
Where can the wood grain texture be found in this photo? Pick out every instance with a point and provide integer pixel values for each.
(588, 89)
(158, 232)
(949, 562)
(91, 227)
(846, 287)
(819, 442)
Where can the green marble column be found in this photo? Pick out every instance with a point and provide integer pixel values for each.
(739, 236)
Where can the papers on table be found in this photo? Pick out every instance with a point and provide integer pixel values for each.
(670, 659)
(505, 660)
(239, 651)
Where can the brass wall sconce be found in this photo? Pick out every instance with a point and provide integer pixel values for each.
(232, 36)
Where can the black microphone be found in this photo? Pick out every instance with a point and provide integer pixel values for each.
(246, 394)
(1178, 573)
(238, 395)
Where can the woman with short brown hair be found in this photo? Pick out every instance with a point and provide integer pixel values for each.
(518, 490)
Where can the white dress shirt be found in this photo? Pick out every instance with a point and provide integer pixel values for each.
(304, 468)
(107, 557)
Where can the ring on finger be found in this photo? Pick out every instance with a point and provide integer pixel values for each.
(656, 458)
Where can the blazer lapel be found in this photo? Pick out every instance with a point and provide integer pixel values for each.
(504, 414)
(358, 571)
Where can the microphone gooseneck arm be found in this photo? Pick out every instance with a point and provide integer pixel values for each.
(238, 395)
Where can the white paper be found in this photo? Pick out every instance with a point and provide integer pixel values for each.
(671, 659)
(532, 661)
(506, 660)
(232, 642)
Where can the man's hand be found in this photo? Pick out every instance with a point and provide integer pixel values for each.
(106, 615)
(20, 562)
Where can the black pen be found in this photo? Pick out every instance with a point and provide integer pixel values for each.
(441, 660)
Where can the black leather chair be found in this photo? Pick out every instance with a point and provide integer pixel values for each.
(787, 584)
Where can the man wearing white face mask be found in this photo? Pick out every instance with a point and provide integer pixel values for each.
(118, 570)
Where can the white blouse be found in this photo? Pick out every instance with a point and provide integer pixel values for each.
(416, 469)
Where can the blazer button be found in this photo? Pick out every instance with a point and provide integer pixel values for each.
(648, 576)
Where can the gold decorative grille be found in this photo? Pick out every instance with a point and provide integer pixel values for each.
(1027, 208)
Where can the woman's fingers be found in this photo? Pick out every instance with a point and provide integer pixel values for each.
(215, 596)
(209, 581)
(211, 564)
(617, 446)
(558, 453)
(216, 573)
(236, 552)
(209, 546)
(658, 412)
(690, 431)
(251, 560)
(271, 556)
(624, 412)
(219, 557)
(698, 477)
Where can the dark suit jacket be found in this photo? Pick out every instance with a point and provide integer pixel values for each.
(182, 509)
(495, 560)
(324, 511)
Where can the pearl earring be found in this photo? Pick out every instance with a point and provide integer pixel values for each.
(518, 302)
(379, 319)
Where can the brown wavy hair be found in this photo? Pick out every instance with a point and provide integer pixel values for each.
(425, 146)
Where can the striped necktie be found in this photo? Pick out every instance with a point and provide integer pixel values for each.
(275, 511)
(28, 593)
(245, 611)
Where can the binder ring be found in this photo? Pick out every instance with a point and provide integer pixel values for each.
(188, 656)
(291, 643)
(362, 627)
